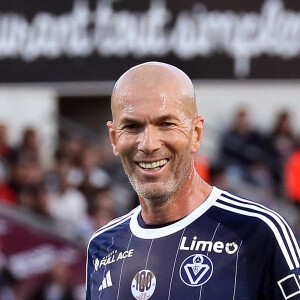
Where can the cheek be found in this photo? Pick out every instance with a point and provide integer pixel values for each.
(178, 141)
(125, 145)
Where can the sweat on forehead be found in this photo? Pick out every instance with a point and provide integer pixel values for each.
(154, 77)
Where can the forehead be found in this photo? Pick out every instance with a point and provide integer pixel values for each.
(147, 100)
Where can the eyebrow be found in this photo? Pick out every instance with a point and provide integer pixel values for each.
(159, 119)
(128, 120)
(167, 117)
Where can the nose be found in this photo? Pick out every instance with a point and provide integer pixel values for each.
(149, 140)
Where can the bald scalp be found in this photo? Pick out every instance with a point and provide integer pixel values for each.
(152, 76)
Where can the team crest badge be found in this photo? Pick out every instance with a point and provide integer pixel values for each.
(143, 285)
(196, 270)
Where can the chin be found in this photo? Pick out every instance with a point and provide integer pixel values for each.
(153, 196)
(154, 193)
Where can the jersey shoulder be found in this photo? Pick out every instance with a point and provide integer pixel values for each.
(110, 229)
(246, 211)
(262, 223)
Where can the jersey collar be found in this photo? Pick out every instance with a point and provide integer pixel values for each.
(154, 233)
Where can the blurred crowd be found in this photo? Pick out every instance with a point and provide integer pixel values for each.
(259, 165)
(260, 158)
(87, 187)
(56, 287)
(82, 190)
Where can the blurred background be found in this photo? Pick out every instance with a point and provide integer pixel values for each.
(59, 180)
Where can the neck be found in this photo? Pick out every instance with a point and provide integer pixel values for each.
(191, 195)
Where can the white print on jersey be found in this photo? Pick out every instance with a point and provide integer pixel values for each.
(111, 258)
(289, 286)
(106, 282)
(217, 247)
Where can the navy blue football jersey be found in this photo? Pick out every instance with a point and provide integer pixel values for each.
(228, 248)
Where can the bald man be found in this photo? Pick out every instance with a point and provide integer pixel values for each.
(186, 240)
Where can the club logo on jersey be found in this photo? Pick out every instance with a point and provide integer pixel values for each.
(143, 285)
(209, 246)
(196, 270)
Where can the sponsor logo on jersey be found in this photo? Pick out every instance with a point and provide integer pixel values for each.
(196, 270)
(106, 282)
(143, 285)
(207, 246)
(112, 257)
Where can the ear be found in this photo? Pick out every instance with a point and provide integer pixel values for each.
(112, 135)
(197, 134)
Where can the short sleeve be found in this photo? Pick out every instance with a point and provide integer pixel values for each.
(89, 269)
(283, 275)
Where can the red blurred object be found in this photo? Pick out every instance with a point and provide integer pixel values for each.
(202, 167)
(7, 195)
(31, 253)
(292, 177)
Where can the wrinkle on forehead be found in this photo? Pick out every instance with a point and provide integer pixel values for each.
(170, 83)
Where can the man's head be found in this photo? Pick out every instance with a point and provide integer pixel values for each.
(155, 128)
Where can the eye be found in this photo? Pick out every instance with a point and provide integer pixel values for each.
(131, 127)
(168, 124)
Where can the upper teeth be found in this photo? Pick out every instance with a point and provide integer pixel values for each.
(153, 165)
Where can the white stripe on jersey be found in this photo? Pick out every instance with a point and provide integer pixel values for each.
(295, 243)
(171, 281)
(214, 235)
(208, 254)
(267, 221)
(123, 260)
(104, 275)
(108, 226)
(148, 254)
(113, 223)
(280, 220)
(236, 270)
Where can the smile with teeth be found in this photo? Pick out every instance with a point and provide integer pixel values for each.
(154, 165)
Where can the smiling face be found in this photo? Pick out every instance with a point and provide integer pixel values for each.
(155, 129)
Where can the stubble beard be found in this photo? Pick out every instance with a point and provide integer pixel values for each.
(156, 197)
